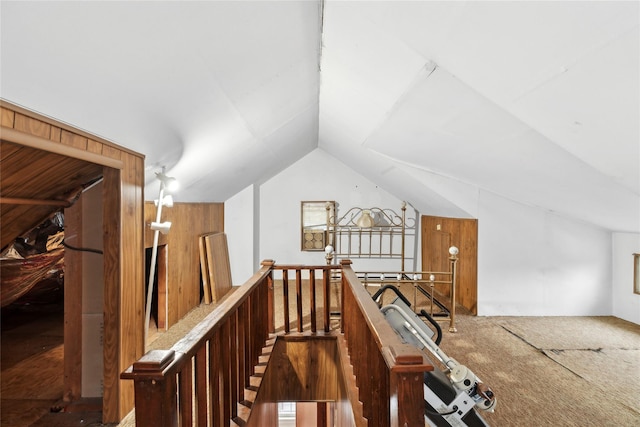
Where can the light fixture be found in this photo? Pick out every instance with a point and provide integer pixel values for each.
(162, 227)
(167, 201)
(167, 183)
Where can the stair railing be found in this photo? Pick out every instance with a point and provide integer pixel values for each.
(388, 373)
(203, 377)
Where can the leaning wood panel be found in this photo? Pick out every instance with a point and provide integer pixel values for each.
(204, 270)
(218, 265)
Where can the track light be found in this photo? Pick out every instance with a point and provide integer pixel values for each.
(167, 201)
(168, 183)
(162, 227)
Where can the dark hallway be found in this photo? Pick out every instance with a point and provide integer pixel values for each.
(32, 345)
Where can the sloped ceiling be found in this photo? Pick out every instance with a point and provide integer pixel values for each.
(535, 101)
(49, 181)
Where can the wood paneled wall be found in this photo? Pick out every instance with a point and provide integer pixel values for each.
(438, 234)
(188, 222)
(123, 213)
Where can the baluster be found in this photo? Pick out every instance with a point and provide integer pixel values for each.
(226, 373)
(185, 379)
(299, 298)
(285, 295)
(327, 297)
(233, 350)
(215, 400)
(270, 302)
(312, 303)
(201, 386)
(242, 368)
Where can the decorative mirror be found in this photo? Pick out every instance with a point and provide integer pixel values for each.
(314, 219)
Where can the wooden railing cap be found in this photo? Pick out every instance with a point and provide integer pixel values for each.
(407, 358)
(154, 361)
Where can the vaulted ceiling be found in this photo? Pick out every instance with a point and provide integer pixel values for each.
(537, 102)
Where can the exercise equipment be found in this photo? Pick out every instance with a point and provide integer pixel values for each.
(452, 395)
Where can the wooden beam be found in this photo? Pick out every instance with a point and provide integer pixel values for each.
(17, 137)
(20, 201)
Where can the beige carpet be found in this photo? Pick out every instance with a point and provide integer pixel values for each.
(554, 371)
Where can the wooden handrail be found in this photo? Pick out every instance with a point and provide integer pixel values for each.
(198, 377)
(388, 372)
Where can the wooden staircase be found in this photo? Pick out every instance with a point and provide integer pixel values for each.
(255, 380)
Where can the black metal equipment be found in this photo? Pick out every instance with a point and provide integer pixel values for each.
(453, 395)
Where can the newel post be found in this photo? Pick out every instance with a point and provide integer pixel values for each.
(155, 391)
(406, 379)
(269, 263)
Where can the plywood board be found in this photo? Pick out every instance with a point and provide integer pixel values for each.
(204, 268)
(218, 265)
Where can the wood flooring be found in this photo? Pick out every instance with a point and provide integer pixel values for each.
(31, 370)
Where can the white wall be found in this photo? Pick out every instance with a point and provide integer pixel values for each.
(534, 263)
(626, 304)
(531, 262)
(239, 214)
(316, 177)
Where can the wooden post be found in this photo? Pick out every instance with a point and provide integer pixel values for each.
(271, 320)
(155, 391)
(406, 394)
(454, 261)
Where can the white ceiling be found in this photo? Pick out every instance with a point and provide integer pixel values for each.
(535, 101)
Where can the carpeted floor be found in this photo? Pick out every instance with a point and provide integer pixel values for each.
(545, 371)
(554, 371)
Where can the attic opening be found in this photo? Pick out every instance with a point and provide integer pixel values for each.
(52, 312)
(32, 326)
(52, 296)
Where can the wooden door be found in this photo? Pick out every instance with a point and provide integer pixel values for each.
(440, 233)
